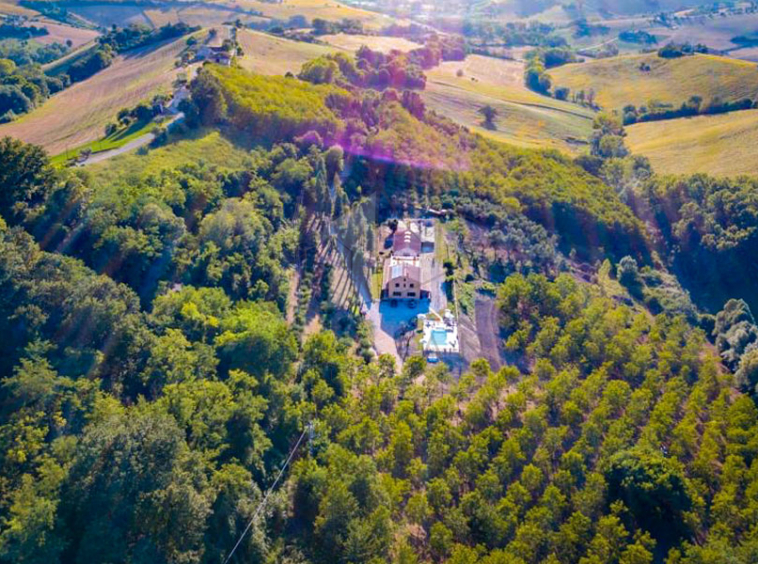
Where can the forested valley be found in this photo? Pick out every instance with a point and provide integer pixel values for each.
(152, 387)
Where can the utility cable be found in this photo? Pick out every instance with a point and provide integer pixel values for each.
(268, 493)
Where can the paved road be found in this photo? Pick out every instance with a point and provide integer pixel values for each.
(134, 144)
(105, 155)
(180, 94)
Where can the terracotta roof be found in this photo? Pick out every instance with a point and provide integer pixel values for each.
(400, 269)
(406, 240)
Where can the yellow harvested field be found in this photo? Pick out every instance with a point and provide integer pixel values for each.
(11, 8)
(266, 54)
(458, 90)
(14, 8)
(375, 42)
(311, 9)
(205, 15)
(482, 72)
(619, 81)
(722, 145)
(60, 33)
(79, 114)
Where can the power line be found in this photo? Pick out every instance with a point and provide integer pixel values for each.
(268, 493)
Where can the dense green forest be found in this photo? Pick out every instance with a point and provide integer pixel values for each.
(151, 387)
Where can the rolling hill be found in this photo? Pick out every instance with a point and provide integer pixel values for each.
(620, 81)
(60, 33)
(106, 13)
(311, 9)
(554, 11)
(722, 145)
(206, 146)
(459, 90)
(12, 8)
(79, 114)
(266, 54)
(381, 43)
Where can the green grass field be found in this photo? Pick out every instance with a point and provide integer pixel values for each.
(722, 145)
(619, 81)
(201, 146)
(113, 141)
(524, 118)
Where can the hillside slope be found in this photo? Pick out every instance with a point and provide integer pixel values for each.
(423, 153)
(721, 145)
(620, 81)
(266, 54)
(458, 90)
(79, 114)
(554, 11)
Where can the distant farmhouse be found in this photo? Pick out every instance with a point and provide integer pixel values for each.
(219, 46)
(214, 55)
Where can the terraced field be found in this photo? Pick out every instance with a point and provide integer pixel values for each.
(459, 90)
(620, 81)
(79, 114)
(265, 54)
(721, 145)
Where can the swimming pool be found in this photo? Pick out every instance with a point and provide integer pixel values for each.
(439, 337)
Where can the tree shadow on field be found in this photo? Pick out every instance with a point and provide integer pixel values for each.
(489, 125)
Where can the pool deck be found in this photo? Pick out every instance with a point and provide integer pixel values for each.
(434, 325)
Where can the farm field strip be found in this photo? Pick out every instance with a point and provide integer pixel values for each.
(620, 81)
(60, 33)
(266, 54)
(722, 145)
(375, 42)
(524, 117)
(79, 114)
(311, 9)
(518, 124)
(11, 8)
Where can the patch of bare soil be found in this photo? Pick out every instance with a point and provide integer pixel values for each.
(488, 332)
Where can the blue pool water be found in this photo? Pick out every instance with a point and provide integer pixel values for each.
(439, 337)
